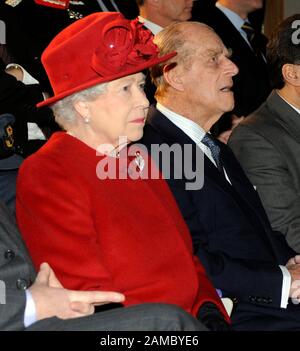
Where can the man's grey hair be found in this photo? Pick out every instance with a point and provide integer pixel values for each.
(173, 38)
(64, 111)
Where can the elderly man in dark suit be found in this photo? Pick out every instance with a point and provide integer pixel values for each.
(267, 143)
(231, 234)
(230, 20)
(46, 305)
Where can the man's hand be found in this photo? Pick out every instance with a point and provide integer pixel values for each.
(212, 318)
(15, 71)
(293, 260)
(293, 266)
(52, 299)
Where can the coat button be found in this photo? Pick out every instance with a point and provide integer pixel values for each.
(252, 298)
(9, 255)
(22, 284)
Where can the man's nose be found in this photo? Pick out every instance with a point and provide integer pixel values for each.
(232, 68)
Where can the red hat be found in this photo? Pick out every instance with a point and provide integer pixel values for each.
(98, 48)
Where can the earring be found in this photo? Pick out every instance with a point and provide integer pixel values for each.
(86, 120)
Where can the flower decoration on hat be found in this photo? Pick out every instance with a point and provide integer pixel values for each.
(123, 44)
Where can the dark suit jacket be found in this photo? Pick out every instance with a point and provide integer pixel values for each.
(267, 144)
(16, 271)
(251, 85)
(230, 231)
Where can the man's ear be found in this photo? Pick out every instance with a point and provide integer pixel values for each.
(172, 75)
(291, 74)
(82, 109)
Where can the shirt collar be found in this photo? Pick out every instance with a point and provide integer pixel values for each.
(234, 18)
(190, 128)
(292, 106)
(153, 27)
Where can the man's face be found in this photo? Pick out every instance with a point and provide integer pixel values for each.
(175, 10)
(207, 79)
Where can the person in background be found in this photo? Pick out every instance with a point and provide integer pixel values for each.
(267, 142)
(155, 15)
(19, 93)
(231, 21)
(30, 25)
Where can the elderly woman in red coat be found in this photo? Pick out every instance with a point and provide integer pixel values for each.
(77, 205)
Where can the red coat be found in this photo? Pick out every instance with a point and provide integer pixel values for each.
(121, 235)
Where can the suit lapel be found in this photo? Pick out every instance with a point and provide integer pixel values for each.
(172, 135)
(240, 182)
(233, 35)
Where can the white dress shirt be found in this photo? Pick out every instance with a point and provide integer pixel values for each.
(30, 311)
(191, 129)
(153, 27)
(196, 133)
(236, 20)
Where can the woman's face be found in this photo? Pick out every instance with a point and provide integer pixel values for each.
(121, 111)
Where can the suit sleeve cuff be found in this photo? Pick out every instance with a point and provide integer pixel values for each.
(286, 286)
(27, 78)
(30, 311)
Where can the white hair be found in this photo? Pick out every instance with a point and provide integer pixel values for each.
(64, 111)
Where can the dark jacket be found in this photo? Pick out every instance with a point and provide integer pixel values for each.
(267, 144)
(16, 272)
(230, 230)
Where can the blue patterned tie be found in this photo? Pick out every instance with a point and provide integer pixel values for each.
(209, 141)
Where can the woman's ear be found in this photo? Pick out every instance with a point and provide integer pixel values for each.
(173, 76)
(291, 74)
(82, 109)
